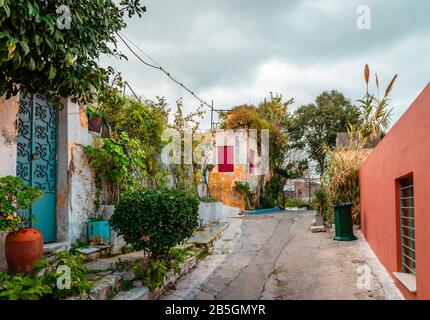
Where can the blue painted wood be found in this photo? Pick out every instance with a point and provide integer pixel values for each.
(99, 229)
(37, 158)
(261, 211)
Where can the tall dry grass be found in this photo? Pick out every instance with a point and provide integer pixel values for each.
(341, 179)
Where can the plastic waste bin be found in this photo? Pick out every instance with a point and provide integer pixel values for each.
(343, 222)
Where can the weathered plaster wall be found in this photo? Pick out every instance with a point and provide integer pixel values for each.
(82, 193)
(8, 137)
(221, 185)
(76, 186)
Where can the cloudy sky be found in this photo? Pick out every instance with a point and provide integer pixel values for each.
(237, 51)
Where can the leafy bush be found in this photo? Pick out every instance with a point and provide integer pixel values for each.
(243, 188)
(208, 199)
(41, 283)
(15, 198)
(270, 196)
(294, 203)
(156, 220)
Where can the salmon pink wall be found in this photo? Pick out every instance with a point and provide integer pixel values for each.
(404, 150)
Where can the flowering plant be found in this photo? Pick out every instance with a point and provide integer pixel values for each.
(15, 198)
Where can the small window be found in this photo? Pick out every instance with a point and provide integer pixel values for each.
(225, 159)
(407, 225)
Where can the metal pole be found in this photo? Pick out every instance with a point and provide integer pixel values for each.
(212, 115)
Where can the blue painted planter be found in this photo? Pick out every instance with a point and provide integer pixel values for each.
(99, 229)
(261, 211)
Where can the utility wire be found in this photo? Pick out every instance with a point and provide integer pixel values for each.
(159, 67)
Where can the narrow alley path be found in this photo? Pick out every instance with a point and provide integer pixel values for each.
(275, 256)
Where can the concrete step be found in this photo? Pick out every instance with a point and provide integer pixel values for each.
(107, 279)
(94, 252)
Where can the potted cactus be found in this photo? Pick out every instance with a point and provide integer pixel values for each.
(24, 244)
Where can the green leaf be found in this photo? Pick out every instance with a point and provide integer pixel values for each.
(37, 39)
(49, 42)
(11, 45)
(1, 3)
(52, 72)
(3, 33)
(31, 64)
(25, 47)
(7, 10)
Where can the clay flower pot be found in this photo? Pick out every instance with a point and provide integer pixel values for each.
(23, 248)
(95, 124)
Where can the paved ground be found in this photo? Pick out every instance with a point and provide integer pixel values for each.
(275, 256)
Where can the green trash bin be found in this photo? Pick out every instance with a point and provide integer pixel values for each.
(343, 222)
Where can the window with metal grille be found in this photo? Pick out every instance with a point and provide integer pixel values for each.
(407, 225)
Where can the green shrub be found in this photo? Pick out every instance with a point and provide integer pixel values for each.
(156, 220)
(208, 199)
(16, 196)
(244, 189)
(41, 283)
(295, 203)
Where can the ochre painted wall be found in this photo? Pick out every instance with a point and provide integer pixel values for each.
(404, 150)
(221, 185)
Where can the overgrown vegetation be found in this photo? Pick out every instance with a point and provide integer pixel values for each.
(129, 158)
(42, 282)
(153, 272)
(244, 189)
(295, 203)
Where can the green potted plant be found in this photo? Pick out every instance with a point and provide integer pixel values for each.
(95, 119)
(23, 245)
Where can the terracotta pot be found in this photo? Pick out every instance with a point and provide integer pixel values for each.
(23, 248)
(95, 124)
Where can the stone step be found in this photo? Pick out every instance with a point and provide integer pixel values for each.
(94, 252)
(108, 280)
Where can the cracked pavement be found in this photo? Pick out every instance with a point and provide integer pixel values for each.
(275, 256)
